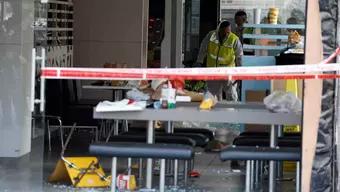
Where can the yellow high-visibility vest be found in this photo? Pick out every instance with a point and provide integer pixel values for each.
(221, 55)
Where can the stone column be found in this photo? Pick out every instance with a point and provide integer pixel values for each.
(16, 44)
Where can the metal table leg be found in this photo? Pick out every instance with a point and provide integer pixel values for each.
(176, 172)
(162, 176)
(279, 165)
(186, 172)
(129, 166)
(248, 176)
(257, 173)
(117, 97)
(116, 127)
(150, 139)
(298, 177)
(169, 163)
(140, 171)
(272, 169)
(252, 175)
(49, 136)
(114, 174)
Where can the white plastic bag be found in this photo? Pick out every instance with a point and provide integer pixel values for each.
(283, 102)
(137, 95)
(133, 84)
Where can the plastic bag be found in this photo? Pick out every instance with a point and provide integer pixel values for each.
(208, 102)
(283, 102)
(133, 84)
(137, 95)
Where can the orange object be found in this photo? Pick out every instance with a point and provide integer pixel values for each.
(178, 84)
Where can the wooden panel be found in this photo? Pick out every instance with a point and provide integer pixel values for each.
(312, 93)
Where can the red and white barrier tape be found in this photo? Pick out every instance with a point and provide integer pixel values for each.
(235, 73)
(332, 56)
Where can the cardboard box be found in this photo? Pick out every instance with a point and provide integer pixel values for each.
(256, 96)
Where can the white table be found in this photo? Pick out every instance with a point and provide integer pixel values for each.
(243, 113)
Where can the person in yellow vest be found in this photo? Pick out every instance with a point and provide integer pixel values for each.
(221, 48)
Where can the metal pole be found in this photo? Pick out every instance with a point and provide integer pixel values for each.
(252, 170)
(272, 174)
(261, 172)
(248, 177)
(162, 176)
(185, 172)
(150, 140)
(116, 122)
(116, 127)
(61, 132)
(129, 166)
(140, 174)
(176, 172)
(49, 136)
(257, 173)
(169, 163)
(116, 95)
(126, 126)
(110, 133)
(114, 174)
(298, 178)
(42, 83)
(279, 164)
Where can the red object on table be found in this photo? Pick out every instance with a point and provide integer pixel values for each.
(194, 173)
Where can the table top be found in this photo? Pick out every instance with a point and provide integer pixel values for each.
(244, 114)
(105, 87)
(227, 104)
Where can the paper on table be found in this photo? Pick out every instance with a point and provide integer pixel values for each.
(123, 105)
(183, 99)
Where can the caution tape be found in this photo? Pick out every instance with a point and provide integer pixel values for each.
(232, 73)
(332, 56)
(240, 73)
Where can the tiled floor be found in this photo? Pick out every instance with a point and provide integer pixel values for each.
(30, 173)
(25, 173)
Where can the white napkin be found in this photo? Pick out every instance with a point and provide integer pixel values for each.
(123, 105)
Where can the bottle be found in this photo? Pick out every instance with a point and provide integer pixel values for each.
(171, 97)
(164, 97)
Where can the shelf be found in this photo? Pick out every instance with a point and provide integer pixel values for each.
(264, 36)
(272, 26)
(264, 47)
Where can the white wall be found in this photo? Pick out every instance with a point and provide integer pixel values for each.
(16, 44)
(113, 31)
